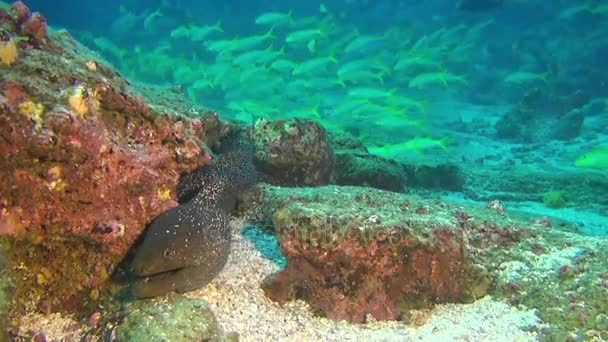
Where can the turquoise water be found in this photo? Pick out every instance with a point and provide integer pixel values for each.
(514, 96)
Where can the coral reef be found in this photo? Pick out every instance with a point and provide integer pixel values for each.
(176, 318)
(186, 247)
(85, 162)
(292, 152)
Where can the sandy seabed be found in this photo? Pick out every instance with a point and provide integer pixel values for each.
(240, 306)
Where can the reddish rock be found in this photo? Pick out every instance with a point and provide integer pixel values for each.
(85, 164)
(36, 27)
(348, 259)
(20, 12)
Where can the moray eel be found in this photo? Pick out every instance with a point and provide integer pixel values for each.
(187, 246)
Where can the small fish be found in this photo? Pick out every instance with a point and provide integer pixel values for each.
(199, 33)
(396, 122)
(303, 36)
(283, 65)
(432, 78)
(417, 145)
(361, 76)
(195, 33)
(149, 20)
(312, 46)
(479, 5)
(313, 65)
(371, 93)
(274, 18)
(361, 42)
(521, 77)
(595, 159)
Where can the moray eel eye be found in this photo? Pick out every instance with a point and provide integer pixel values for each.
(168, 253)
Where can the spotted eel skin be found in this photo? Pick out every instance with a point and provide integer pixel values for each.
(187, 246)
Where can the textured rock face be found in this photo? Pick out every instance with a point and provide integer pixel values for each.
(364, 169)
(353, 252)
(354, 165)
(512, 255)
(85, 164)
(292, 152)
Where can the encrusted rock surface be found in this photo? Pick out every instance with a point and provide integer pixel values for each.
(292, 152)
(364, 169)
(356, 251)
(175, 318)
(353, 252)
(85, 164)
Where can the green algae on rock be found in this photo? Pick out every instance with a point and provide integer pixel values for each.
(175, 318)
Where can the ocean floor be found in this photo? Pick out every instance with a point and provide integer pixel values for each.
(238, 302)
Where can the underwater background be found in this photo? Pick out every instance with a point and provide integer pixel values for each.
(487, 105)
(514, 91)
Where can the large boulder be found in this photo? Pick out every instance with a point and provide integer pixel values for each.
(353, 252)
(85, 163)
(540, 116)
(292, 152)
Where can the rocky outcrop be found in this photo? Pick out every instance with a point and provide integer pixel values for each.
(357, 252)
(353, 252)
(292, 152)
(85, 164)
(174, 319)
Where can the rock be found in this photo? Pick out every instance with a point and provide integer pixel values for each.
(354, 165)
(341, 141)
(540, 116)
(364, 169)
(353, 252)
(6, 290)
(570, 125)
(86, 163)
(292, 152)
(176, 318)
(442, 176)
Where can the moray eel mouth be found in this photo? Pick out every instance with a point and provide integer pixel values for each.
(145, 275)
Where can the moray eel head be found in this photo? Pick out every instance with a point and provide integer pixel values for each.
(184, 248)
